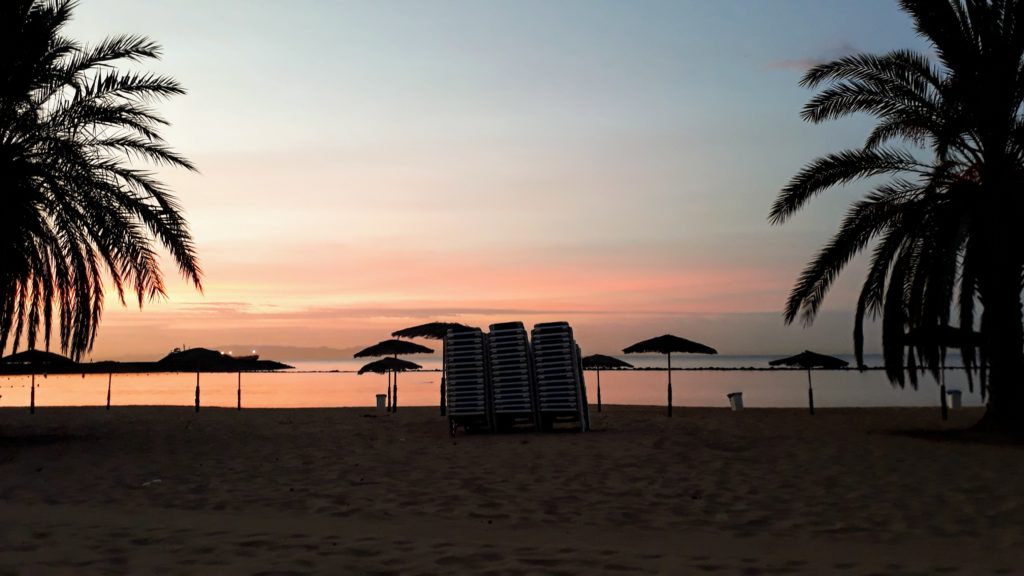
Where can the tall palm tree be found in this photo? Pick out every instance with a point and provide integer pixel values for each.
(946, 227)
(75, 208)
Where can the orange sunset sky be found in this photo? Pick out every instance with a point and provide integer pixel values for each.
(366, 166)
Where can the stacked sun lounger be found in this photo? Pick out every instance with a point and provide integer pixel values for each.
(511, 373)
(561, 393)
(468, 379)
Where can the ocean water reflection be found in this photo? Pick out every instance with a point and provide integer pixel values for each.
(317, 385)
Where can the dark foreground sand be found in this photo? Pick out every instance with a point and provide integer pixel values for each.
(167, 491)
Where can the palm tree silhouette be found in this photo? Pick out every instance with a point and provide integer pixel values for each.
(946, 227)
(75, 208)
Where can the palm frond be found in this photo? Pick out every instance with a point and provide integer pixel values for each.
(837, 169)
(865, 220)
(72, 125)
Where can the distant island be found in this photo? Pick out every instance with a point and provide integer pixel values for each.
(188, 360)
(297, 353)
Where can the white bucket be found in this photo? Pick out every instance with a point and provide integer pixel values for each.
(736, 400)
(381, 399)
(953, 398)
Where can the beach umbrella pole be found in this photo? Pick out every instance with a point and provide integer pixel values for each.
(239, 390)
(810, 392)
(394, 396)
(598, 390)
(669, 384)
(197, 391)
(388, 407)
(110, 377)
(444, 395)
(942, 392)
(32, 397)
(444, 392)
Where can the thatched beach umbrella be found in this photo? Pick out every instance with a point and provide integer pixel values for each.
(668, 344)
(430, 330)
(937, 339)
(600, 362)
(389, 365)
(433, 331)
(809, 360)
(392, 348)
(36, 361)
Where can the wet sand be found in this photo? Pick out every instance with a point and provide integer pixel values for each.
(143, 490)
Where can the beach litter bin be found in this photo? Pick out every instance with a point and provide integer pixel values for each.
(381, 398)
(953, 398)
(736, 400)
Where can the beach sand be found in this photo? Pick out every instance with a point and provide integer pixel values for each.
(143, 490)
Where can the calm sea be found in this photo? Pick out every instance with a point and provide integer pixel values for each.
(329, 384)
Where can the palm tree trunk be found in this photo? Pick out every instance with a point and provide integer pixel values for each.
(999, 287)
(197, 391)
(669, 384)
(1006, 401)
(110, 377)
(32, 397)
(1003, 334)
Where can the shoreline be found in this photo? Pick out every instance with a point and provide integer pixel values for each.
(374, 410)
(14, 371)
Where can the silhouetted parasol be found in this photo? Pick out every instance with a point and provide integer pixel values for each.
(385, 365)
(433, 331)
(936, 339)
(392, 348)
(430, 330)
(668, 344)
(36, 359)
(809, 360)
(600, 362)
(389, 366)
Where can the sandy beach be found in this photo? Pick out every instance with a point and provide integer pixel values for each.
(330, 491)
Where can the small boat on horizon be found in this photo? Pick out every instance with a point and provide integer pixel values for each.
(245, 358)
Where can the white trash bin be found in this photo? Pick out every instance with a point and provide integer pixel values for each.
(736, 400)
(381, 398)
(953, 398)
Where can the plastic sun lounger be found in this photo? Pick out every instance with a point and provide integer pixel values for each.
(467, 380)
(511, 375)
(561, 393)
